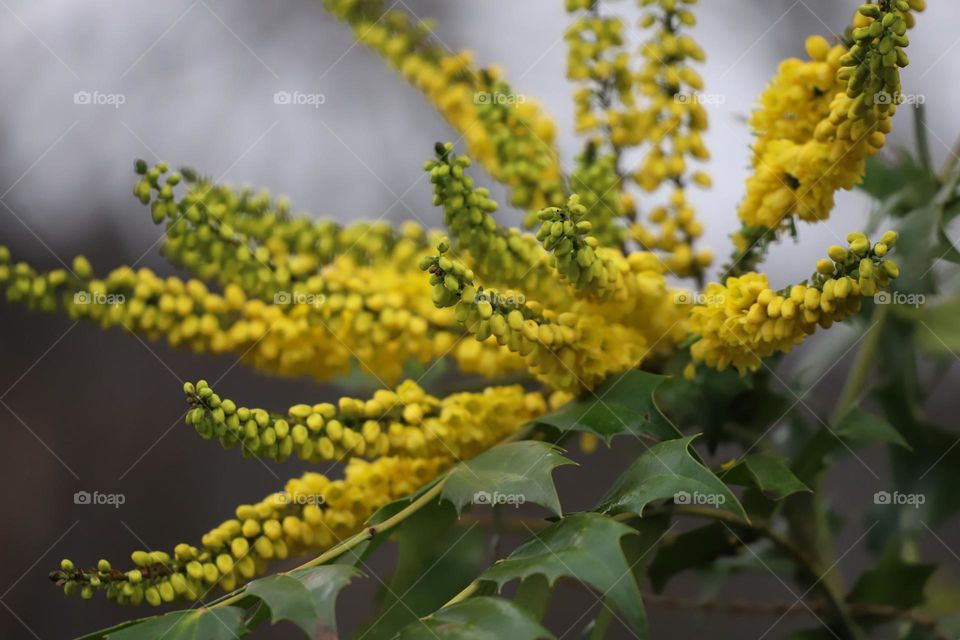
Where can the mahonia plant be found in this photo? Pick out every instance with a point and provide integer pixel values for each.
(573, 322)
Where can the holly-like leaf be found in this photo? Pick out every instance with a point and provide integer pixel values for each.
(305, 597)
(667, 471)
(513, 473)
(585, 547)
(691, 549)
(892, 582)
(910, 182)
(219, 623)
(767, 472)
(623, 405)
(858, 426)
(436, 559)
(479, 618)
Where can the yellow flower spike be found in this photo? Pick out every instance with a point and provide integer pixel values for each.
(821, 118)
(348, 432)
(744, 321)
(507, 133)
(589, 344)
(325, 520)
(297, 336)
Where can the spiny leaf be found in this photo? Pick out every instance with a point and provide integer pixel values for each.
(479, 618)
(436, 559)
(586, 547)
(667, 471)
(512, 473)
(859, 426)
(690, 549)
(305, 597)
(892, 582)
(220, 623)
(767, 472)
(622, 405)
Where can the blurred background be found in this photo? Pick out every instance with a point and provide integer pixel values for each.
(192, 83)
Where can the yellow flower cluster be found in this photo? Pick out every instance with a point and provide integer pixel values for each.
(508, 134)
(244, 239)
(671, 123)
(500, 255)
(407, 422)
(820, 119)
(597, 180)
(576, 255)
(596, 59)
(312, 513)
(744, 320)
(568, 350)
(567, 304)
(378, 317)
(604, 111)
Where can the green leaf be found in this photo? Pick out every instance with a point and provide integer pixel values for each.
(917, 249)
(691, 549)
(622, 405)
(858, 426)
(938, 332)
(892, 582)
(479, 618)
(586, 547)
(513, 473)
(305, 597)
(932, 469)
(220, 623)
(435, 560)
(667, 471)
(905, 178)
(768, 473)
(722, 391)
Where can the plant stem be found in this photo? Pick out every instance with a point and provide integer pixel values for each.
(809, 565)
(602, 622)
(358, 538)
(920, 133)
(861, 366)
(468, 591)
